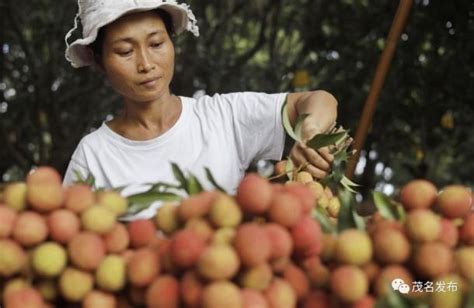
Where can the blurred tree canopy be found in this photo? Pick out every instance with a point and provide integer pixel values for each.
(422, 126)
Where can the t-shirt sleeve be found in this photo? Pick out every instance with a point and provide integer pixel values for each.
(77, 166)
(256, 125)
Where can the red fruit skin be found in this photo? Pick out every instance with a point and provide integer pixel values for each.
(280, 240)
(454, 201)
(142, 232)
(285, 209)
(307, 237)
(163, 292)
(305, 194)
(252, 244)
(186, 247)
(466, 231)
(449, 234)
(254, 194)
(418, 194)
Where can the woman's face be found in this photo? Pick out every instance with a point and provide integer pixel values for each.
(138, 57)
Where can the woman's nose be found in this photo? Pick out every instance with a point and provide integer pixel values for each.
(144, 63)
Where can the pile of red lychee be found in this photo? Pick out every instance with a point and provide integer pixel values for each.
(62, 247)
(242, 251)
(431, 250)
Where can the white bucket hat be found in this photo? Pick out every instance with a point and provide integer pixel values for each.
(95, 14)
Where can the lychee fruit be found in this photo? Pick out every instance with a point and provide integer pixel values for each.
(186, 248)
(454, 201)
(49, 259)
(423, 225)
(221, 294)
(354, 247)
(163, 292)
(285, 209)
(349, 283)
(225, 212)
(391, 246)
(252, 244)
(254, 194)
(218, 262)
(418, 194)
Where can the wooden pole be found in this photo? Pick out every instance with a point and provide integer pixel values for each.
(383, 66)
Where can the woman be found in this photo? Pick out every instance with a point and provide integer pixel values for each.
(131, 42)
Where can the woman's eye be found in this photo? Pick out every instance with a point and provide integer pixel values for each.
(155, 45)
(124, 53)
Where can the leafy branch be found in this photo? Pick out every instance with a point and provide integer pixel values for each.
(161, 191)
(387, 207)
(89, 180)
(337, 140)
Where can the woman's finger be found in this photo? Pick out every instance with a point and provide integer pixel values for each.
(297, 157)
(331, 128)
(315, 159)
(316, 172)
(326, 154)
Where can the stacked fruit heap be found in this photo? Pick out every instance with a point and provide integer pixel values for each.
(58, 243)
(259, 248)
(426, 242)
(62, 246)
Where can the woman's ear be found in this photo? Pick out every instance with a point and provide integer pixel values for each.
(98, 63)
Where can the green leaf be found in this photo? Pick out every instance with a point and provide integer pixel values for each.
(120, 188)
(179, 175)
(346, 218)
(132, 210)
(194, 186)
(348, 188)
(392, 300)
(141, 201)
(158, 187)
(343, 138)
(150, 197)
(323, 140)
(90, 180)
(323, 219)
(386, 207)
(342, 156)
(358, 220)
(286, 122)
(400, 211)
(289, 167)
(470, 296)
(347, 184)
(211, 179)
(328, 179)
(79, 178)
(337, 175)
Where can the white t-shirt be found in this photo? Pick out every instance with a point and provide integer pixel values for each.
(224, 133)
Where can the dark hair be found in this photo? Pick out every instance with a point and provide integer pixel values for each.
(98, 44)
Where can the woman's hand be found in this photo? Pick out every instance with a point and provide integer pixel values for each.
(321, 110)
(317, 162)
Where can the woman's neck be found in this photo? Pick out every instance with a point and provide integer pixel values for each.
(142, 121)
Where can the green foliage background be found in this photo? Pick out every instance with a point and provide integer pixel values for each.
(46, 106)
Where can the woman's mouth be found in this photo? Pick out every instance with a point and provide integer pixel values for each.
(149, 82)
